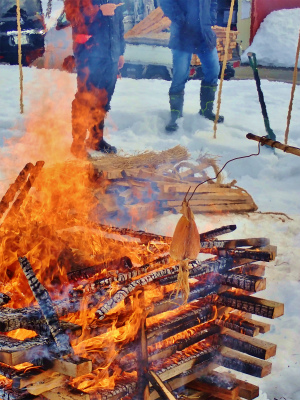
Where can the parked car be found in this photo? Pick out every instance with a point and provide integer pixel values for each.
(32, 31)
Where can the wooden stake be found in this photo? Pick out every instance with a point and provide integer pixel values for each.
(293, 92)
(227, 41)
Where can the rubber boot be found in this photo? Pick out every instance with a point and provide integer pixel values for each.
(207, 98)
(176, 107)
(96, 141)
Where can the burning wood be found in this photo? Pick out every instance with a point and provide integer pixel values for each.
(182, 342)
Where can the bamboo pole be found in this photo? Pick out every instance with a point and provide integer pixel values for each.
(227, 41)
(20, 55)
(272, 143)
(293, 92)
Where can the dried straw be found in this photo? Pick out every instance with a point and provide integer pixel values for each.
(147, 158)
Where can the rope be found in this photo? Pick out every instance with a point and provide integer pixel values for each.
(227, 41)
(293, 92)
(20, 56)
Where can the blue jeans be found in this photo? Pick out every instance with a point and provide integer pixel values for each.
(181, 68)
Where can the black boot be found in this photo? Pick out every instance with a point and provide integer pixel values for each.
(207, 98)
(96, 141)
(176, 106)
(105, 147)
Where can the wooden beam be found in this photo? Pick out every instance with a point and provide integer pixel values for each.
(243, 363)
(247, 390)
(254, 347)
(215, 384)
(49, 381)
(253, 305)
(72, 366)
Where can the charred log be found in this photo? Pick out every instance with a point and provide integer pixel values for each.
(45, 302)
(34, 172)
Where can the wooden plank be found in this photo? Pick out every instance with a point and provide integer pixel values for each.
(213, 383)
(243, 363)
(262, 326)
(47, 382)
(253, 305)
(250, 269)
(247, 390)
(186, 377)
(246, 344)
(66, 393)
(72, 366)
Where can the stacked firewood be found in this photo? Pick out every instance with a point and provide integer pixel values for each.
(179, 345)
(154, 29)
(152, 183)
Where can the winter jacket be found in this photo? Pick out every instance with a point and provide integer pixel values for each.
(191, 24)
(104, 35)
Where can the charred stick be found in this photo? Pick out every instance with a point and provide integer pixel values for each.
(126, 277)
(199, 268)
(273, 143)
(146, 237)
(86, 273)
(216, 232)
(4, 299)
(126, 290)
(42, 297)
(180, 323)
(13, 189)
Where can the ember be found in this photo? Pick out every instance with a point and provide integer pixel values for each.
(107, 322)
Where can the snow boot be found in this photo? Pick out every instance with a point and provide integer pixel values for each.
(96, 141)
(176, 106)
(207, 98)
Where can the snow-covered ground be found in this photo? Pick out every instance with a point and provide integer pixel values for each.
(275, 42)
(136, 123)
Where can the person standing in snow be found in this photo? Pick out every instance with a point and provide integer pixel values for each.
(98, 46)
(191, 33)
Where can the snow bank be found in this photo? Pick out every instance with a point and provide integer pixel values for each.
(275, 42)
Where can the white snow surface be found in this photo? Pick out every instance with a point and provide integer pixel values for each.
(275, 42)
(136, 123)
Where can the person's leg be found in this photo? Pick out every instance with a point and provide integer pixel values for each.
(181, 69)
(80, 113)
(211, 69)
(103, 78)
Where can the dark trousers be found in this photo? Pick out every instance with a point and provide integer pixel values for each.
(96, 80)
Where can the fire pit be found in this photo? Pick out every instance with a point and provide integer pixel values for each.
(107, 323)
